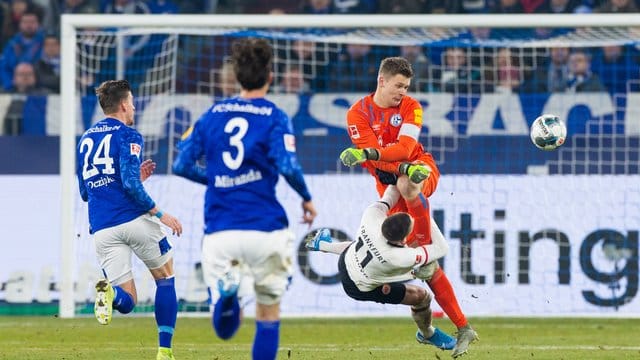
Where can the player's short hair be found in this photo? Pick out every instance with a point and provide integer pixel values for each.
(393, 66)
(252, 61)
(396, 227)
(110, 93)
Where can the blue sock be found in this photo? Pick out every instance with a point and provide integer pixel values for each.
(166, 309)
(265, 344)
(122, 301)
(226, 316)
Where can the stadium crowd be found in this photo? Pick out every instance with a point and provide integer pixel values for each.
(30, 59)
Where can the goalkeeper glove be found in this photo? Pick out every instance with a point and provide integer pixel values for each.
(351, 156)
(386, 178)
(416, 172)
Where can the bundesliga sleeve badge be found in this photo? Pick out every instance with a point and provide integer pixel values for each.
(135, 149)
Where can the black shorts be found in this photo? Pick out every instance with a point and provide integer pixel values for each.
(394, 296)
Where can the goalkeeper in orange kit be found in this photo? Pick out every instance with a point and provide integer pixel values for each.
(384, 127)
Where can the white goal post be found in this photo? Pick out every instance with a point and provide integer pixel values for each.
(69, 97)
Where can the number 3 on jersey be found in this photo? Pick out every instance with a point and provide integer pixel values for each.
(100, 157)
(241, 125)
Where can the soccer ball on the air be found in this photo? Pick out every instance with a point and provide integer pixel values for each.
(548, 132)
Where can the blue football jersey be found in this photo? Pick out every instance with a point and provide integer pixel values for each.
(246, 144)
(108, 171)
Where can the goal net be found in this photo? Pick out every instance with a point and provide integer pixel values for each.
(482, 80)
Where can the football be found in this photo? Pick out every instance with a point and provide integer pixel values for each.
(548, 132)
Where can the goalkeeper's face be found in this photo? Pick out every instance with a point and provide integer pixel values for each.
(393, 89)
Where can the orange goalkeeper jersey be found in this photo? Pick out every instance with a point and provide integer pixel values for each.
(393, 130)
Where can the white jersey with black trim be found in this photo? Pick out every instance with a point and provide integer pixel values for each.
(371, 261)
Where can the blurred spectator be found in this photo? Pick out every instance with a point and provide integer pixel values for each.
(25, 46)
(404, 7)
(475, 6)
(25, 81)
(531, 6)
(226, 82)
(616, 65)
(355, 69)
(618, 6)
(124, 7)
(311, 57)
(480, 33)
(5, 23)
(559, 6)
(552, 77)
(16, 9)
(48, 67)
(355, 6)
(194, 6)
(318, 7)
(507, 7)
(162, 7)
(59, 7)
(268, 6)
(508, 71)
(133, 43)
(292, 81)
(228, 6)
(456, 76)
(581, 79)
(422, 80)
(23, 84)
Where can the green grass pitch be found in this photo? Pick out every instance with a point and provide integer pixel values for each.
(352, 338)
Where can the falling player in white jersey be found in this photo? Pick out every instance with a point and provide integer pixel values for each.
(377, 265)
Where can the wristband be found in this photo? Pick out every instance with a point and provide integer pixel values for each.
(404, 168)
(158, 214)
(371, 153)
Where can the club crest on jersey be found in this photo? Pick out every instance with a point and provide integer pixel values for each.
(396, 120)
(290, 142)
(135, 149)
(353, 132)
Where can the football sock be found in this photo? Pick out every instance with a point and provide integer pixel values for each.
(418, 208)
(226, 316)
(266, 341)
(166, 309)
(122, 301)
(336, 247)
(446, 298)
(421, 314)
